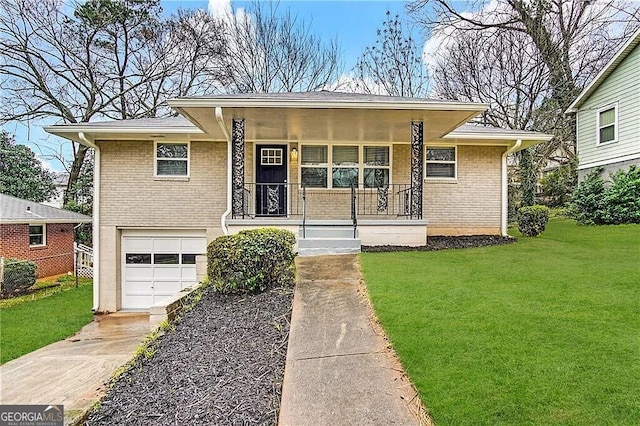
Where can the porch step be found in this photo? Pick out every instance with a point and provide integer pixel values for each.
(327, 239)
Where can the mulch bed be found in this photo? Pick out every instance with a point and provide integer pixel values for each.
(443, 243)
(222, 365)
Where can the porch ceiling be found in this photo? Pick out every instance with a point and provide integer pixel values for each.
(330, 124)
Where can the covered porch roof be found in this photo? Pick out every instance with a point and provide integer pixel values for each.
(307, 117)
(325, 116)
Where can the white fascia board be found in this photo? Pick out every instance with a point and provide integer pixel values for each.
(308, 104)
(108, 129)
(539, 137)
(604, 72)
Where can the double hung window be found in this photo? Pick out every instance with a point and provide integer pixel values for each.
(172, 159)
(440, 163)
(607, 124)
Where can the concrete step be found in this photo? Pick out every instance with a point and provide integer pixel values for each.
(326, 251)
(328, 245)
(315, 231)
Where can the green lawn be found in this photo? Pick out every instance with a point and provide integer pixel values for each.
(31, 325)
(543, 331)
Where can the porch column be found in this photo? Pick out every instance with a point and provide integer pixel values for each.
(417, 161)
(237, 171)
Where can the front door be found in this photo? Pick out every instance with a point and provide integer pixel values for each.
(271, 180)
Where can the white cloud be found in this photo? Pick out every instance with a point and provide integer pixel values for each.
(220, 8)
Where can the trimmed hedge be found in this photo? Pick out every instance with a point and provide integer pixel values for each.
(532, 220)
(252, 260)
(19, 275)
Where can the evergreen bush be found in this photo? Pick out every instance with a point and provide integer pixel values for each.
(596, 204)
(532, 220)
(18, 276)
(251, 260)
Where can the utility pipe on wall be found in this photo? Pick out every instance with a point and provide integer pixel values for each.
(225, 131)
(505, 186)
(96, 219)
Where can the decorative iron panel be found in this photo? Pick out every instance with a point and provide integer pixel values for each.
(417, 155)
(237, 170)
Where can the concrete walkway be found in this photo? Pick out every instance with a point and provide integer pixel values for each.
(339, 370)
(74, 371)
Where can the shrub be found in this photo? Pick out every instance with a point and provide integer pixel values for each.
(558, 185)
(587, 206)
(595, 204)
(251, 260)
(532, 220)
(19, 275)
(622, 198)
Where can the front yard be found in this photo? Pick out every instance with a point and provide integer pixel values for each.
(30, 322)
(544, 331)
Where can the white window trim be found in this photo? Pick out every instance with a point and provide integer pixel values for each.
(615, 124)
(455, 163)
(271, 153)
(44, 235)
(329, 166)
(155, 159)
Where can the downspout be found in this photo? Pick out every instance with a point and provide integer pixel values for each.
(96, 220)
(225, 131)
(505, 187)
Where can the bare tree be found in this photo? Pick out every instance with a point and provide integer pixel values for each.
(107, 59)
(528, 60)
(393, 65)
(268, 51)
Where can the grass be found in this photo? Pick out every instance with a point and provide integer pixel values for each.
(544, 331)
(44, 319)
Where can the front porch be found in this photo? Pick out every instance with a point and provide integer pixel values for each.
(333, 221)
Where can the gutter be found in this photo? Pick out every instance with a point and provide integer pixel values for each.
(96, 220)
(505, 187)
(225, 131)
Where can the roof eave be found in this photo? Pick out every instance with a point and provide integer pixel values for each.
(620, 55)
(42, 220)
(182, 103)
(540, 137)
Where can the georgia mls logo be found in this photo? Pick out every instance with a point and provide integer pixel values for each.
(31, 415)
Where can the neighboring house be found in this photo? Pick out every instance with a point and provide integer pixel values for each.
(60, 182)
(43, 234)
(337, 169)
(608, 114)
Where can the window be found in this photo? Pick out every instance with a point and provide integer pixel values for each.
(608, 124)
(345, 166)
(172, 159)
(37, 235)
(376, 166)
(314, 166)
(440, 163)
(367, 166)
(271, 157)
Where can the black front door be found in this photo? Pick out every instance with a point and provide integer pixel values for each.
(271, 180)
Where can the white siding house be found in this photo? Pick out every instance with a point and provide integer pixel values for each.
(608, 114)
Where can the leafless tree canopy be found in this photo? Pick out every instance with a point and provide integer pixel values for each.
(270, 51)
(393, 65)
(100, 59)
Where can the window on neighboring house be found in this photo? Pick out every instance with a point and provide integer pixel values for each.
(440, 163)
(37, 235)
(608, 124)
(172, 159)
(367, 166)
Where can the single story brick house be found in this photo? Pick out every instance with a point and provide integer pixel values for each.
(337, 169)
(42, 234)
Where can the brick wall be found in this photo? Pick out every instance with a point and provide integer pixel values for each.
(55, 258)
(131, 196)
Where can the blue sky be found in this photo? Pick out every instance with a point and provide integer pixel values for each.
(352, 23)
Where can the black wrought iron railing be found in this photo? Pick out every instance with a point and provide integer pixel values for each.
(296, 200)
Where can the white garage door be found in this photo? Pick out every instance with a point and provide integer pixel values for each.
(154, 267)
